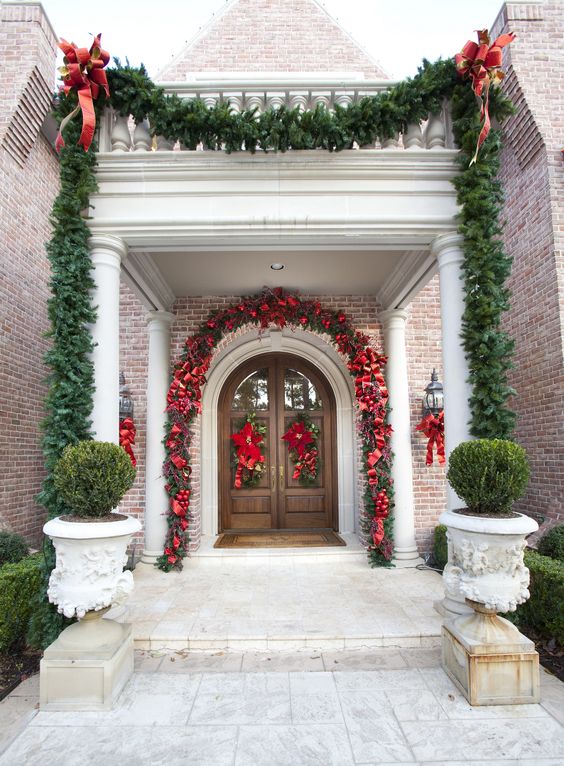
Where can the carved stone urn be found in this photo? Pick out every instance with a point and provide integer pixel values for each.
(485, 559)
(90, 557)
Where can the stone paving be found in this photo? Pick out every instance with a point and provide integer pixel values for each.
(283, 600)
(306, 708)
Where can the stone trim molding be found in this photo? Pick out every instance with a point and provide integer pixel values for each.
(315, 349)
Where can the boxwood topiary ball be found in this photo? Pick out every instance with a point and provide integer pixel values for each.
(92, 477)
(488, 474)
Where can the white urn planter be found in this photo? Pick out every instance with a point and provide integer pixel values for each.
(90, 556)
(91, 661)
(485, 655)
(485, 558)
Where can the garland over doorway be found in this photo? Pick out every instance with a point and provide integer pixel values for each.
(365, 364)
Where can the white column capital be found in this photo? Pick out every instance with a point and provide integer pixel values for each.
(447, 248)
(394, 319)
(154, 318)
(108, 249)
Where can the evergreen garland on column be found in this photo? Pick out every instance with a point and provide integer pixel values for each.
(486, 266)
(71, 375)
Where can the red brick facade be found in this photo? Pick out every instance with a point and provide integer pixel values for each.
(533, 179)
(29, 178)
(272, 36)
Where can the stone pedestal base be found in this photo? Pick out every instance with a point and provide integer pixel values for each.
(87, 666)
(489, 660)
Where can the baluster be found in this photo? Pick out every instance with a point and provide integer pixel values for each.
(121, 137)
(343, 99)
(321, 98)
(210, 100)
(275, 100)
(435, 137)
(235, 101)
(142, 140)
(256, 101)
(391, 143)
(413, 138)
(299, 100)
(163, 144)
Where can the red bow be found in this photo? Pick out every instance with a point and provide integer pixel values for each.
(127, 438)
(434, 429)
(482, 62)
(83, 70)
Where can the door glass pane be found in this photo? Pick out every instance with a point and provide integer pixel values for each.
(299, 392)
(252, 393)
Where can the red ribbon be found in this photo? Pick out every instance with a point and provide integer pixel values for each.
(434, 429)
(83, 70)
(482, 63)
(127, 438)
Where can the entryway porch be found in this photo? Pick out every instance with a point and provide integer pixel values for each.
(283, 599)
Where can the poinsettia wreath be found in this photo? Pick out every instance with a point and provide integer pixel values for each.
(365, 364)
(301, 437)
(248, 458)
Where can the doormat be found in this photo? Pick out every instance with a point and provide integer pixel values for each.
(279, 539)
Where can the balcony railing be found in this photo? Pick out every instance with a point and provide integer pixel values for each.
(122, 134)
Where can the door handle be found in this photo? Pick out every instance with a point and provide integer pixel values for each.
(273, 478)
(281, 475)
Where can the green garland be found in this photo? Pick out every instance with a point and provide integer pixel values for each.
(71, 377)
(486, 267)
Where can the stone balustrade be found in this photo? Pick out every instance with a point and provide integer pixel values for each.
(120, 134)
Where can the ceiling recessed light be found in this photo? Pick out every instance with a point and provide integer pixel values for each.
(276, 266)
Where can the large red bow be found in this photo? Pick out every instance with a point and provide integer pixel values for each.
(83, 70)
(433, 427)
(481, 61)
(127, 438)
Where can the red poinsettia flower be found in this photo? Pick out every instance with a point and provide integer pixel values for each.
(298, 437)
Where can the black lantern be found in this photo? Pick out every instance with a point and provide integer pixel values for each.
(125, 400)
(433, 401)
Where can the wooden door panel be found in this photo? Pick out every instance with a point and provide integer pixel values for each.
(277, 501)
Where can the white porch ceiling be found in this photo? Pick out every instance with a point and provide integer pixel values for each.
(311, 271)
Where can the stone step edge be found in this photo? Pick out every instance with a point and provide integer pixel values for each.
(427, 641)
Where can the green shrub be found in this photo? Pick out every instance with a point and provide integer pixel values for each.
(13, 548)
(92, 477)
(543, 611)
(440, 546)
(488, 474)
(552, 543)
(19, 583)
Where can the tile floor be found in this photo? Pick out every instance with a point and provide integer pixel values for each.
(285, 600)
(307, 708)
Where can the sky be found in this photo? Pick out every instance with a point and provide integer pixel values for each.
(397, 33)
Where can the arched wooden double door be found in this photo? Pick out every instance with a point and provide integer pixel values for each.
(276, 389)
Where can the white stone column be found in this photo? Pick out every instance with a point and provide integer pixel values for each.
(156, 499)
(107, 253)
(448, 250)
(396, 378)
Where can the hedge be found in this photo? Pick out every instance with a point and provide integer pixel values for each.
(18, 584)
(544, 610)
(440, 546)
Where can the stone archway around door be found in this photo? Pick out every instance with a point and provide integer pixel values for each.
(320, 354)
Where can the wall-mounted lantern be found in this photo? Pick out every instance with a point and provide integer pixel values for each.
(125, 400)
(433, 401)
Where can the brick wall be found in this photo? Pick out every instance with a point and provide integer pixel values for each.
(28, 185)
(532, 175)
(423, 341)
(272, 36)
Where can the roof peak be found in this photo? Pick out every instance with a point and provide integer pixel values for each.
(271, 36)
